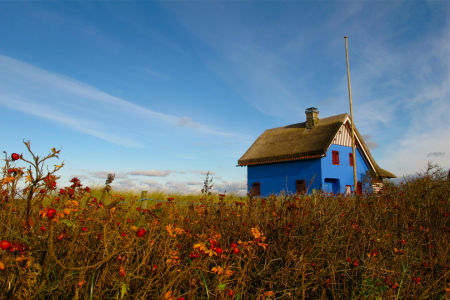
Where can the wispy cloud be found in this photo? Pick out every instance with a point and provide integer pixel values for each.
(194, 182)
(104, 174)
(400, 89)
(436, 154)
(186, 121)
(141, 185)
(253, 69)
(20, 74)
(369, 143)
(238, 187)
(155, 74)
(75, 122)
(82, 107)
(156, 173)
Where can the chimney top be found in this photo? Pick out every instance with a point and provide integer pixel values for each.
(312, 117)
(312, 109)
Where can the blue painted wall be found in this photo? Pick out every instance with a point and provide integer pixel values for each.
(343, 172)
(278, 177)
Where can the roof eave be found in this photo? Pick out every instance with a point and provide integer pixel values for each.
(275, 160)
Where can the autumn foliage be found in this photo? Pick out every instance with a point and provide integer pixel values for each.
(78, 243)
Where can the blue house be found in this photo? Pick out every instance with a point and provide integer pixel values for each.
(313, 155)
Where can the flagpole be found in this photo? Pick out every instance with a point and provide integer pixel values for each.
(355, 179)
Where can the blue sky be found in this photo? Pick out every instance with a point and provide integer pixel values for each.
(162, 92)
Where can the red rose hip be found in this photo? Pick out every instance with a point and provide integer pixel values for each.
(141, 232)
(15, 156)
(50, 212)
(5, 244)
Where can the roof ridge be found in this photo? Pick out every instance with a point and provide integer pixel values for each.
(322, 120)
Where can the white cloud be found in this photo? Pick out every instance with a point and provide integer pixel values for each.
(152, 184)
(104, 174)
(436, 154)
(194, 182)
(186, 121)
(126, 185)
(157, 173)
(240, 187)
(371, 144)
(137, 185)
(17, 71)
(156, 74)
(75, 122)
(180, 187)
(402, 101)
(412, 152)
(64, 100)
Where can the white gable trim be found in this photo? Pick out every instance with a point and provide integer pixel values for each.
(344, 138)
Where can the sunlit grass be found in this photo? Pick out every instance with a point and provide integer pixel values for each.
(105, 244)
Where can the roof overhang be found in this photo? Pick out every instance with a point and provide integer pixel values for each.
(281, 160)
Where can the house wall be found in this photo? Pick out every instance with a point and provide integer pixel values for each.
(278, 177)
(342, 172)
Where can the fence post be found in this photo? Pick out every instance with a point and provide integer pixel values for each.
(144, 204)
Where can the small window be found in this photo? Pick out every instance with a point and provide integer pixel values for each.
(335, 157)
(350, 159)
(300, 186)
(256, 189)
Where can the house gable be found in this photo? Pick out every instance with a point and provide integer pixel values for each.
(344, 138)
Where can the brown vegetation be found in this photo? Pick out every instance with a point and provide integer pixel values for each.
(76, 246)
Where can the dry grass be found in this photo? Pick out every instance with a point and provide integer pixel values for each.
(390, 246)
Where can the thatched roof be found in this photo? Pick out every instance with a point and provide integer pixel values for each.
(296, 142)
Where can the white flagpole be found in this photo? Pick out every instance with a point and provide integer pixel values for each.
(355, 179)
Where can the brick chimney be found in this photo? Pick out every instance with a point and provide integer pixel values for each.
(312, 117)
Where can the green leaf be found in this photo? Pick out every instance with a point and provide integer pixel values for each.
(221, 286)
(67, 223)
(123, 290)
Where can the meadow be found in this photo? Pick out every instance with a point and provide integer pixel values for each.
(74, 242)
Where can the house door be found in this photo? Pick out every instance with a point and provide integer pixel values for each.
(300, 186)
(256, 189)
(331, 185)
(359, 188)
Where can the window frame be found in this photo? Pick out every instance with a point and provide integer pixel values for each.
(335, 157)
(350, 159)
